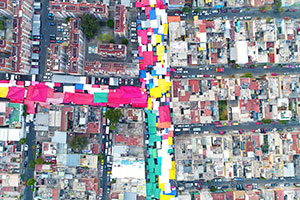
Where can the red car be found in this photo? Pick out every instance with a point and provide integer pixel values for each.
(177, 76)
(222, 132)
(206, 75)
(258, 123)
(253, 130)
(263, 11)
(273, 74)
(220, 69)
(292, 10)
(36, 51)
(235, 11)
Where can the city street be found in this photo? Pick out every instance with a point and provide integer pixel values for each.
(229, 71)
(251, 12)
(30, 141)
(46, 30)
(249, 126)
(233, 183)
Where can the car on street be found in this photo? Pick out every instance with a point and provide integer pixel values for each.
(51, 23)
(52, 41)
(258, 123)
(25, 147)
(292, 10)
(25, 164)
(220, 69)
(287, 185)
(225, 10)
(273, 74)
(234, 11)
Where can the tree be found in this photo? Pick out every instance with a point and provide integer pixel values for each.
(78, 143)
(30, 182)
(90, 25)
(113, 115)
(110, 23)
(112, 41)
(197, 10)
(2, 26)
(266, 121)
(283, 121)
(100, 157)
(22, 141)
(68, 19)
(39, 161)
(212, 189)
(248, 75)
(125, 41)
(32, 164)
(186, 9)
(268, 19)
(236, 66)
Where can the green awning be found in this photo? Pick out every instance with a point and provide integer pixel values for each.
(100, 97)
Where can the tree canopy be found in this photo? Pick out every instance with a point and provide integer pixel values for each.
(113, 115)
(22, 141)
(125, 41)
(110, 23)
(39, 161)
(90, 25)
(30, 182)
(78, 143)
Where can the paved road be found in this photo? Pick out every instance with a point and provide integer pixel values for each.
(46, 30)
(249, 126)
(105, 179)
(30, 140)
(251, 12)
(228, 71)
(233, 183)
(99, 163)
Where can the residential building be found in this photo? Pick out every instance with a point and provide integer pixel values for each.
(63, 9)
(121, 15)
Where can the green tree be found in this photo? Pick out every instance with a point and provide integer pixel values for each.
(112, 41)
(90, 25)
(268, 20)
(106, 37)
(197, 10)
(100, 157)
(125, 41)
(2, 26)
(266, 121)
(32, 164)
(223, 114)
(236, 66)
(248, 75)
(113, 115)
(283, 121)
(78, 143)
(186, 9)
(30, 182)
(212, 189)
(67, 19)
(110, 23)
(39, 161)
(22, 141)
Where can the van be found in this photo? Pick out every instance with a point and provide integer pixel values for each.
(37, 42)
(34, 63)
(235, 123)
(107, 130)
(37, 5)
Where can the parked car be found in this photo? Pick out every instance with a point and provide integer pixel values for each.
(51, 23)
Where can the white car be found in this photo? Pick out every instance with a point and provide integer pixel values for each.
(25, 147)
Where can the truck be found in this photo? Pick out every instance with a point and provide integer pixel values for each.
(37, 5)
